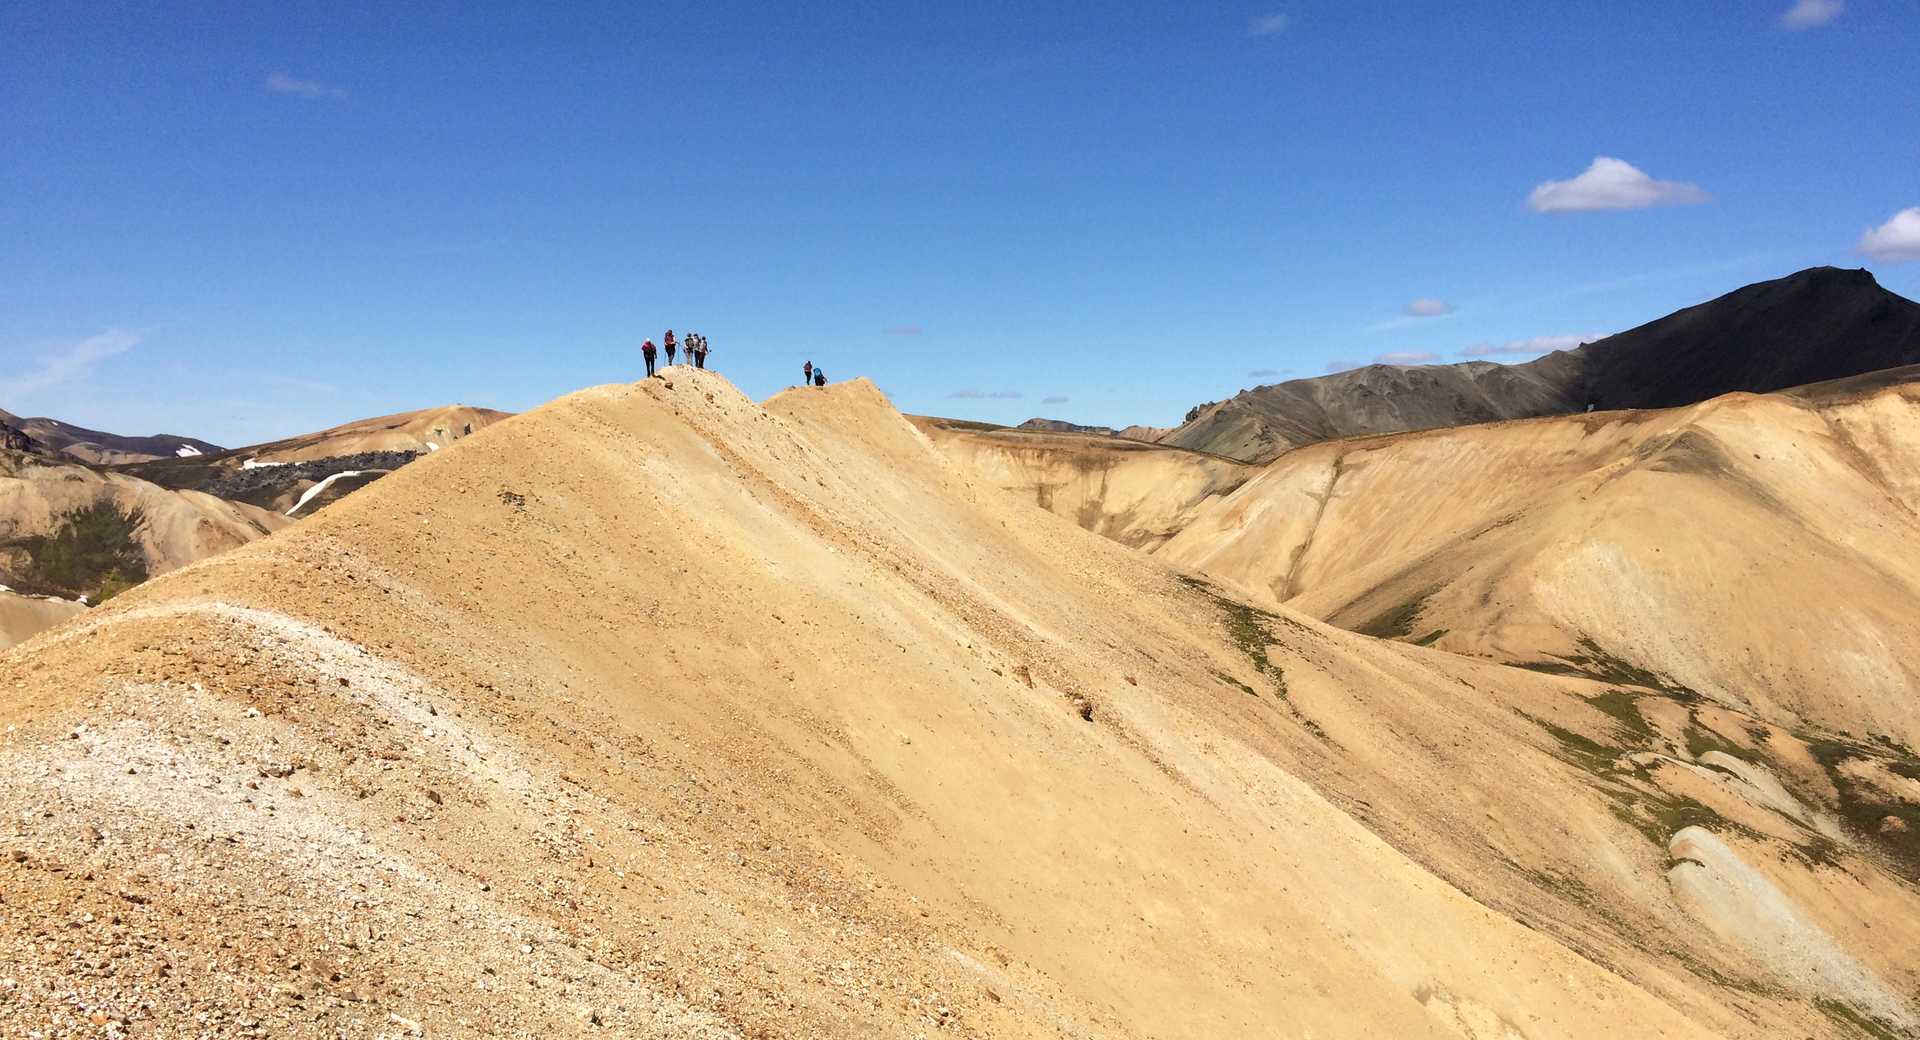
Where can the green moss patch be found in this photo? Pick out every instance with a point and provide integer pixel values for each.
(1246, 626)
(1397, 622)
(1865, 1024)
(1889, 825)
(91, 553)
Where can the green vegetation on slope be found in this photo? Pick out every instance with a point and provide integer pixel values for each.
(92, 553)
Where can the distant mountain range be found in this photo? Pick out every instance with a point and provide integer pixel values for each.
(104, 449)
(1820, 324)
(1149, 434)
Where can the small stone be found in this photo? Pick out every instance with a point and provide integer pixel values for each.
(434, 797)
(525, 948)
(1891, 824)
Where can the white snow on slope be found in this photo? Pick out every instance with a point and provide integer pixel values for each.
(257, 464)
(307, 495)
(186, 451)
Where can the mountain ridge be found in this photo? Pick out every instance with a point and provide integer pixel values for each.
(1815, 325)
(102, 448)
(849, 743)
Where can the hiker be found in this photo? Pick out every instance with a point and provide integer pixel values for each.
(647, 351)
(806, 373)
(669, 348)
(819, 377)
(700, 359)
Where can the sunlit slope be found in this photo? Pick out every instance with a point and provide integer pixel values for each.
(1135, 493)
(22, 616)
(69, 530)
(1758, 550)
(662, 712)
(428, 429)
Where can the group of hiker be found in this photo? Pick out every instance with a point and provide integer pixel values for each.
(695, 346)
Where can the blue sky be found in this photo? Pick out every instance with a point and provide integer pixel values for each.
(249, 220)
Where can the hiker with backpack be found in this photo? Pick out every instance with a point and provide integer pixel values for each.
(806, 374)
(647, 351)
(819, 377)
(668, 342)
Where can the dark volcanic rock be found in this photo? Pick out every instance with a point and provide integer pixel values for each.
(1820, 324)
(248, 485)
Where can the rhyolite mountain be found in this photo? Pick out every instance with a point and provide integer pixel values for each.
(103, 448)
(1822, 323)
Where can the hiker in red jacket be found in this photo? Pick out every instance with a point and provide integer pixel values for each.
(647, 351)
(668, 342)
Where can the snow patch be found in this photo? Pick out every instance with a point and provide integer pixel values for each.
(432, 447)
(186, 451)
(307, 495)
(257, 464)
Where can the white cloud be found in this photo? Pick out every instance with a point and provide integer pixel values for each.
(1407, 357)
(69, 364)
(281, 83)
(1268, 24)
(1612, 184)
(1269, 373)
(1536, 345)
(1810, 14)
(985, 395)
(1426, 307)
(1055, 399)
(1897, 239)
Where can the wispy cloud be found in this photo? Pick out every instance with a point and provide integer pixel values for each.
(281, 83)
(1407, 357)
(70, 363)
(1269, 373)
(1416, 312)
(986, 395)
(1612, 184)
(1810, 14)
(1268, 24)
(1897, 239)
(1536, 345)
(1341, 365)
(901, 330)
(1055, 399)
